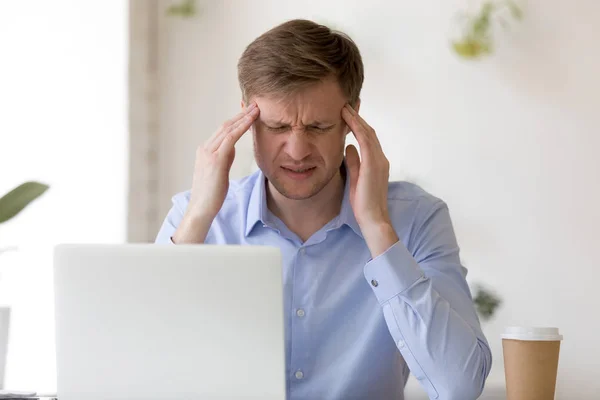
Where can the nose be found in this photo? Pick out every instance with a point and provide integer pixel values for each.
(298, 146)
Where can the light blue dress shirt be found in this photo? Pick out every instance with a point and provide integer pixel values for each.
(355, 327)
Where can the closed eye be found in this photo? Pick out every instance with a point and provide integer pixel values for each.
(322, 128)
(276, 128)
(283, 128)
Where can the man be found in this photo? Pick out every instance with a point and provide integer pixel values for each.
(373, 285)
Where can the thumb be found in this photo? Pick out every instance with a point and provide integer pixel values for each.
(353, 163)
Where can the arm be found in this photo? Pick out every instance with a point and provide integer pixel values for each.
(428, 308)
(190, 222)
(423, 294)
(181, 227)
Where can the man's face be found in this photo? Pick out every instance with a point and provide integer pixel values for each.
(299, 140)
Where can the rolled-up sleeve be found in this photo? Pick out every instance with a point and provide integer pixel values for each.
(429, 310)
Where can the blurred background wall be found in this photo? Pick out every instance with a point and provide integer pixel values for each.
(63, 121)
(107, 102)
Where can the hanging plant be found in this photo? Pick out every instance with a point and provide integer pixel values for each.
(486, 302)
(476, 39)
(185, 9)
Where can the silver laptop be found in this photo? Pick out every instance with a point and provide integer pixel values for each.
(163, 322)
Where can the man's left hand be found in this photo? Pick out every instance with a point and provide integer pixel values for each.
(369, 184)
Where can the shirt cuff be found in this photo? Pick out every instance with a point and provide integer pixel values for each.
(392, 272)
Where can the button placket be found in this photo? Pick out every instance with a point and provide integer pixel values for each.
(299, 357)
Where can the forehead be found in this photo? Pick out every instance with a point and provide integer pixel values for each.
(320, 101)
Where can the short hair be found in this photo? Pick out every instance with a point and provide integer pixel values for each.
(296, 54)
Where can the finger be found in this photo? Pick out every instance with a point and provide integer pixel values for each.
(367, 132)
(225, 128)
(353, 164)
(215, 141)
(355, 126)
(237, 130)
(230, 139)
(360, 119)
(371, 134)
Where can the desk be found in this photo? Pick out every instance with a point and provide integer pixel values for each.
(492, 391)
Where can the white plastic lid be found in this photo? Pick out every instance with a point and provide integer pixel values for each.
(531, 333)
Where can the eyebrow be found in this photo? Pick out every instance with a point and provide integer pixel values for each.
(274, 122)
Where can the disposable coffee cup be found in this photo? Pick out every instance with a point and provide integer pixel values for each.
(531, 362)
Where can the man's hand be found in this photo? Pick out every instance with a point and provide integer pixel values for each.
(211, 177)
(369, 184)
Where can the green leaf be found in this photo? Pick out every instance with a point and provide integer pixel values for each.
(186, 9)
(470, 48)
(17, 199)
(481, 24)
(464, 49)
(515, 10)
(486, 303)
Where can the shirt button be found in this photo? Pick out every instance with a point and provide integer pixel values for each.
(401, 344)
(299, 374)
(374, 283)
(303, 251)
(300, 313)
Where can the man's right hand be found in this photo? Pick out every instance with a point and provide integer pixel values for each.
(211, 177)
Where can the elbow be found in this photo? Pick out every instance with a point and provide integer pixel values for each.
(454, 387)
(469, 384)
(465, 390)
(459, 389)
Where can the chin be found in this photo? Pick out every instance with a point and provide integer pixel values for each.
(297, 189)
(299, 195)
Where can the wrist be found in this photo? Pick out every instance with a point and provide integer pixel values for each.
(192, 229)
(379, 237)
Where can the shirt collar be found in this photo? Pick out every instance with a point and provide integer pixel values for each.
(258, 212)
(346, 213)
(257, 206)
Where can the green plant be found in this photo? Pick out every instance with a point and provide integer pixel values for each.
(185, 9)
(20, 197)
(486, 302)
(476, 39)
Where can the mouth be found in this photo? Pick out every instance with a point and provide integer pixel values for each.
(299, 173)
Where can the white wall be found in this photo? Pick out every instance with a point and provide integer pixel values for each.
(63, 105)
(510, 143)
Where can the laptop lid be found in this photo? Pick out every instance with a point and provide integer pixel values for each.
(150, 321)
